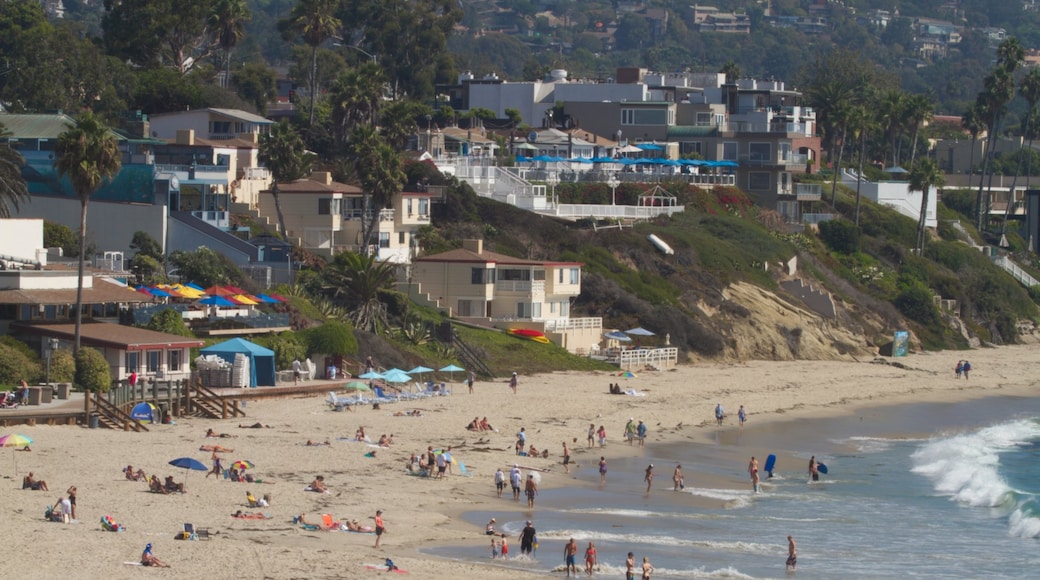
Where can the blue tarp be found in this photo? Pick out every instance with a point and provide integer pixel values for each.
(261, 360)
(145, 413)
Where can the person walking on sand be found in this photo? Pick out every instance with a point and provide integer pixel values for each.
(602, 470)
(218, 469)
(792, 555)
(72, 500)
(641, 433)
(531, 489)
(570, 555)
(719, 414)
(630, 567)
(649, 477)
(814, 469)
(500, 482)
(959, 369)
(471, 378)
(590, 558)
(514, 382)
(678, 479)
(566, 458)
(297, 369)
(741, 416)
(648, 568)
(752, 469)
(380, 526)
(967, 369)
(602, 434)
(514, 480)
(592, 435)
(630, 430)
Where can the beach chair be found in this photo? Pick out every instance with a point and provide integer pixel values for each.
(328, 524)
(339, 403)
(463, 471)
(382, 397)
(194, 533)
(418, 394)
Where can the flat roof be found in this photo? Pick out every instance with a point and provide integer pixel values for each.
(108, 335)
(462, 255)
(100, 294)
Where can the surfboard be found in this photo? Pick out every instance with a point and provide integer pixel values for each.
(529, 334)
(821, 468)
(770, 463)
(382, 568)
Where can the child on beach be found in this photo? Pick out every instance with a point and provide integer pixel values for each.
(505, 548)
(602, 434)
(494, 548)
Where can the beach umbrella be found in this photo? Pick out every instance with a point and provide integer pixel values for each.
(639, 331)
(15, 441)
(156, 291)
(195, 286)
(357, 386)
(419, 370)
(189, 463)
(627, 375)
(278, 297)
(451, 370)
(219, 291)
(396, 377)
(145, 412)
(618, 335)
(243, 299)
(266, 299)
(242, 465)
(144, 290)
(216, 301)
(371, 375)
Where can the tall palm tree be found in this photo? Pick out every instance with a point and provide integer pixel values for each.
(380, 175)
(840, 116)
(918, 113)
(284, 153)
(228, 18)
(862, 123)
(892, 107)
(88, 154)
(1029, 89)
(924, 175)
(972, 122)
(315, 21)
(12, 185)
(998, 90)
(356, 98)
(828, 99)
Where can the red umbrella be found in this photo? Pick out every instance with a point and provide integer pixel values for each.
(220, 291)
(235, 289)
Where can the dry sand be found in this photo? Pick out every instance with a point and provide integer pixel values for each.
(419, 512)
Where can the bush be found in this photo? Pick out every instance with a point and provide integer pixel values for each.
(63, 366)
(171, 322)
(92, 372)
(840, 236)
(15, 366)
(915, 302)
(333, 337)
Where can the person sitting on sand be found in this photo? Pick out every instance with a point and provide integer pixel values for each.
(354, 526)
(29, 482)
(318, 485)
(384, 441)
(485, 426)
(156, 486)
(359, 435)
(149, 559)
(173, 486)
(533, 451)
(474, 425)
(135, 475)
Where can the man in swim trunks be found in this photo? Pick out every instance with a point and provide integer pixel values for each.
(792, 555)
(570, 553)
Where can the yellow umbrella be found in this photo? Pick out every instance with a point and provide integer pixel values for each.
(188, 291)
(243, 299)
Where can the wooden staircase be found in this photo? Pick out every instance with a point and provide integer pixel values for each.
(112, 417)
(203, 402)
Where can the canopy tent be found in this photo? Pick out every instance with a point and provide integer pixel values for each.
(261, 360)
(145, 412)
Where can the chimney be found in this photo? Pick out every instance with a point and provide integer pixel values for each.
(322, 177)
(475, 246)
(185, 136)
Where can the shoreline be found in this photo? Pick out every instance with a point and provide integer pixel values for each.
(423, 514)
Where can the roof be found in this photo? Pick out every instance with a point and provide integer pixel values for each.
(236, 345)
(462, 255)
(311, 186)
(99, 294)
(36, 126)
(233, 113)
(108, 335)
(236, 143)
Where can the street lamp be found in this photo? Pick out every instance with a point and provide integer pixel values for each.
(52, 345)
(553, 179)
(613, 183)
(371, 56)
(429, 119)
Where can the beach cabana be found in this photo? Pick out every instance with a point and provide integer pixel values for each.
(261, 360)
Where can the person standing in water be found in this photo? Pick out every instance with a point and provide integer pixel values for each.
(753, 472)
(792, 554)
(649, 477)
(814, 469)
(678, 479)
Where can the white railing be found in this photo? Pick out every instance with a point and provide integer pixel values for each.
(260, 173)
(747, 127)
(520, 286)
(640, 358)
(634, 212)
(565, 324)
(1017, 273)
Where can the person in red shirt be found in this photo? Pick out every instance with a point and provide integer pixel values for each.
(380, 528)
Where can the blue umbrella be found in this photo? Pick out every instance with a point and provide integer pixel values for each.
(189, 463)
(396, 377)
(267, 299)
(216, 301)
(159, 292)
(650, 147)
(604, 160)
(195, 286)
(523, 159)
(618, 335)
(639, 331)
(419, 370)
(581, 160)
(371, 375)
(451, 369)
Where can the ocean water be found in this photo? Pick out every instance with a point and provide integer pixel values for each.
(927, 491)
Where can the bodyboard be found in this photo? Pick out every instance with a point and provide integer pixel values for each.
(821, 468)
(770, 463)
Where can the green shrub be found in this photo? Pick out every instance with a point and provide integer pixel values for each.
(92, 372)
(15, 366)
(171, 322)
(63, 366)
(333, 337)
(915, 302)
(840, 236)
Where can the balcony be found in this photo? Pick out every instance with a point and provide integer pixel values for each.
(525, 286)
(808, 191)
(775, 127)
(384, 215)
(209, 173)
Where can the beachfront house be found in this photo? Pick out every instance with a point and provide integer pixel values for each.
(484, 287)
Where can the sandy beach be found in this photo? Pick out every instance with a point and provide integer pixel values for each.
(677, 406)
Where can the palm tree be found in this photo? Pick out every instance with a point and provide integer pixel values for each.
(972, 122)
(315, 21)
(892, 107)
(356, 279)
(381, 175)
(862, 123)
(12, 185)
(1029, 89)
(284, 153)
(918, 113)
(356, 97)
(998, 90)
(827, 99)
(924, 175)
(88, 154)
(228, 18)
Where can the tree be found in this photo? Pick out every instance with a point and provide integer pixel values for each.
(154, 33)
(228, 18)
(255, 82)
(380, 174)
(1029, 89)
(732, 72)
(147, 263)
(284, 153)
(206, 267)
(171, 322)
(88, 155)
(12, 185)
(357, 280)
(918, 113)
(315, 22)
(92, 373)
(399, 121)
(972, 122)
(333, 337)
(924, 175)
(999, 88)
(356, 98)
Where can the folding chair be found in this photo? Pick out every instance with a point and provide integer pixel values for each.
(190, 533)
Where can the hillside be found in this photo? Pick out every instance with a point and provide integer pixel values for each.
(723, 294)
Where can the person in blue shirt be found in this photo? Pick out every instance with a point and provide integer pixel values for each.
(641, 433)
(719, 413)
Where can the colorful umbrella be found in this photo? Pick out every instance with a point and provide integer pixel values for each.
(242, 299)
(15, 440)
(639, 331)
(627, 374)
(216, 301)
(419, 370)
(396, 377)
(619, 336)
(219, 291)
(242, 465)
(279, 297)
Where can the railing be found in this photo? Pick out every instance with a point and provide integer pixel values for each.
(534, 287)
(815, 218)
(384, 215)
(1016, 272)
(261, 173)
(643, 357)
(808, 191)
(748, 127)
(627, 212)
(565, 324)
(277, 320)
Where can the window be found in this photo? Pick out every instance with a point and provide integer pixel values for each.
(478, 276)
(552, 308)
(565, 309)
(409, 207)
(759, 152)
(689, 147)
(132, 361)
(469, 308)
(424, 206)
(220, 127)
(324, 207)
(175, 360)
(575, 276)
(528, 310)
(538, 275)
(785, 152)
(514, 275)
(758, 181)
(703, 119)
(384, 239)
(154, 360)
(729, 151)
(400, 239)
(644, 116)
